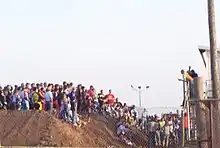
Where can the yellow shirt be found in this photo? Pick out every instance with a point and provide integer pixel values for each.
(41, 106)
(162, 124)
(35, 97)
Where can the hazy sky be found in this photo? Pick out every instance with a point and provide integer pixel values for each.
(107, 43)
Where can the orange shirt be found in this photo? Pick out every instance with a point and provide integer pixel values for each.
(186, 122)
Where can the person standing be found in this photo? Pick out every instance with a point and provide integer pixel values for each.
(144, 119)
(79, 97)
(73, 102)
(101, 98)
(49, 99)
(152, 127)
(166, 135)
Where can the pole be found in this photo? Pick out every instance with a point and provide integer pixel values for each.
(188, 114)
(188, 122)
(202, 116)
(184, 98)
(183, 129)
(214, 74)
(139, 93)
(213, 49)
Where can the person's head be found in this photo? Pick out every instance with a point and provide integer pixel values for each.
(26, 89)
(41, 84)
(64, 83)
(60, 89)
(110, 91)
(91, 87)
(73, 89)
(22, 85)
(37, 85)
(56, 87)
(41, 89)
(19, 88)
(50, 86)
(45, 84)
(79, 86)
(16, 86)
(33, 85)
(116, 100)
(35, 89)
(192, 71)
(28, 85)
(101, 91)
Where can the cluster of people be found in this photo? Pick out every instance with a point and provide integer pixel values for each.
(68, 102)
(161, 132)
(65, 100)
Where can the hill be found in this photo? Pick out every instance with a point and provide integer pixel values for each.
(33, 128)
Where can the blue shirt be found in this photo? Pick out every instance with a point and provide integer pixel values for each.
(48, 96)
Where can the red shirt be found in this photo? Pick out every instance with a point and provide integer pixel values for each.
(110, 98)
(91, 93)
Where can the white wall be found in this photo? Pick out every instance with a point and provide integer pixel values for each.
(207, 78)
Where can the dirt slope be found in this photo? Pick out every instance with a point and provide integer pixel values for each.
(32, 128)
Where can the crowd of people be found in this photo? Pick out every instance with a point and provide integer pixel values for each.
(68, 102)
(164, 131)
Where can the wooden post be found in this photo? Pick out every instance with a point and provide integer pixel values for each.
(202, 115)
(214, 75)
(183, 129)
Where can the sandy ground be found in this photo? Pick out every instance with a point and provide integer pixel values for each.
(33, 128)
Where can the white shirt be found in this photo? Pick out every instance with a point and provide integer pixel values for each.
(170, 125)
(134, 113)
(144, 115)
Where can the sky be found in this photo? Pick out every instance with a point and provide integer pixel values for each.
(110, 44)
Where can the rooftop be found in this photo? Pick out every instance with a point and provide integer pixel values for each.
(205, 48)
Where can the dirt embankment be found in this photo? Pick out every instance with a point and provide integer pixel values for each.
(33, 128)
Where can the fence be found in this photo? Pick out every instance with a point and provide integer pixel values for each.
(203, 112)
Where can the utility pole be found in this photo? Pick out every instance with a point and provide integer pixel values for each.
(183, 109)
(214, 74)
(139, 95)
(139, 90)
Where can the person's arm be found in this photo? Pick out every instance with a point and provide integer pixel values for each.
(51, 96)
(136, 113)
(105, 98)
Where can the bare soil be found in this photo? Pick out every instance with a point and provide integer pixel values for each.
(34, 128)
